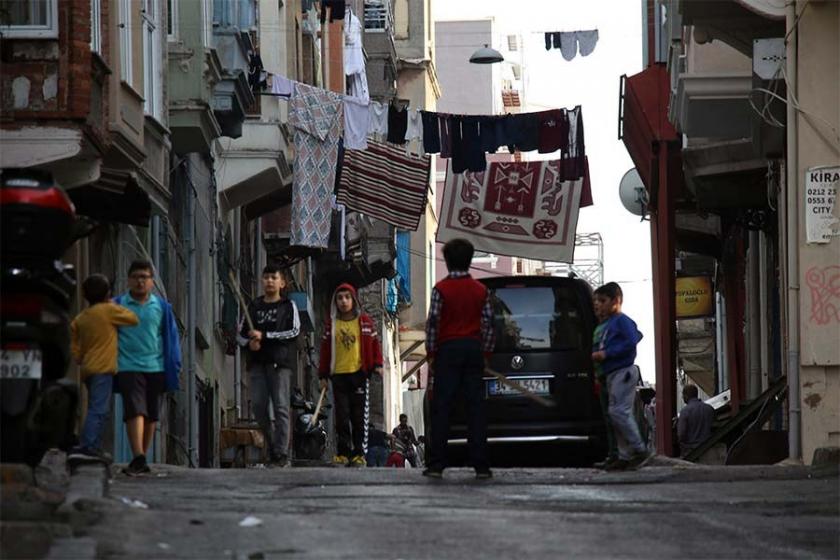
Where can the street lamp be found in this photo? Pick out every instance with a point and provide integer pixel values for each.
(486, 55)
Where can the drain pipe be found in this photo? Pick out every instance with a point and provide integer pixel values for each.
(192, 416)
(237, 358)
(792, 205)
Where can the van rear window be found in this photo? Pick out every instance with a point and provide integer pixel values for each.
(538, 318)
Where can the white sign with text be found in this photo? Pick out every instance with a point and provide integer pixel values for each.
(821, 185)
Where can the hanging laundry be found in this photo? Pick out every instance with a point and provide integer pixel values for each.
(378, 120)
(385, 183)
(487, 134)
(397, 125)
(431, 132)
(354, 58)
(526, 209)
(414, 133)
(554, 131)
(255, 73)
(520, 132)
(356, 123)
(587, 41)
(337, 9)
(317, 117)
(445, 122)
(467, 154)
(281, 86)
(571, 42)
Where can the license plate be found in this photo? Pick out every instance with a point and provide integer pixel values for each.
(538, 386)
(20, 364)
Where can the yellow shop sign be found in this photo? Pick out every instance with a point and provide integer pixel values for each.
(694, 297)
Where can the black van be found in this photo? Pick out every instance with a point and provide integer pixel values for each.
(543, 330)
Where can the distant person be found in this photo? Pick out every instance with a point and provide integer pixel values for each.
(459, 336)
(149, 361)
(616, 359)
(272, 355)
(694, 425)
(603, 392)
(405, 434)
(377, 453)
(350, 354)
(94, 347)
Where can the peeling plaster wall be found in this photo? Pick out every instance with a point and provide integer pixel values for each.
(818, 91)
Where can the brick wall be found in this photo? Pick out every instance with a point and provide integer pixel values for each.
(49, 79)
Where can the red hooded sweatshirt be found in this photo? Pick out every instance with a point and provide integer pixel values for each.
(370, 348)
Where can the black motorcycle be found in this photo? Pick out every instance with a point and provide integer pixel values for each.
(310, 437)
(38, 406)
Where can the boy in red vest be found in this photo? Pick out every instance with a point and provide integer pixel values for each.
(350, 353)
(459, 334)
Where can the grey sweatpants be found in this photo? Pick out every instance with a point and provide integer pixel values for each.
(270, 386)
(622, 389)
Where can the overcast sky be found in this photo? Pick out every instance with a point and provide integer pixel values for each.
(591, 82)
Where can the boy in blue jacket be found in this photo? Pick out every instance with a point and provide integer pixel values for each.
(149, 361)
(618, 339)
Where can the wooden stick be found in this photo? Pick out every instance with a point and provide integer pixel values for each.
(519, 387)
(318, 407)
(238, 290)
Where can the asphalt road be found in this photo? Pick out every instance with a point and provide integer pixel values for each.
(658, 512)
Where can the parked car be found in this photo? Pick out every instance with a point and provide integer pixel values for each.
(543, 331)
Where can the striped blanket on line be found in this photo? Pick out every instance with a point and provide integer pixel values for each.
(385, 183)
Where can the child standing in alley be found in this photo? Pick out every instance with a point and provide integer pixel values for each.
(94, 347)
(350, 353)
(616, 358)
(603, 393)
(459, 335)
(271, 359)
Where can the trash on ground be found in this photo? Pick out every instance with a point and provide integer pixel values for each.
(250, 521)
(134, 503)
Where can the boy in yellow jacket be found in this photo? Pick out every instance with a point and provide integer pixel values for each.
(94, 346)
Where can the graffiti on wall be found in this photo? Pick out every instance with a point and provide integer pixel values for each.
(824, 285)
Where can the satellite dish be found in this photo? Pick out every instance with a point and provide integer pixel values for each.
(632, 193)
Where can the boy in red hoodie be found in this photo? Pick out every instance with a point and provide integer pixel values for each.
(350, 353)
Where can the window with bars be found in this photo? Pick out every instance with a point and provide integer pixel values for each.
(376, 15)
(29, 18)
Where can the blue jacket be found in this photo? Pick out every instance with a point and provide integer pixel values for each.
(171, 344)
(620, 337)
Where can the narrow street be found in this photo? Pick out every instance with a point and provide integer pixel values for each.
(658, 512)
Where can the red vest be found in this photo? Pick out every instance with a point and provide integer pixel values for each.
(463, 300)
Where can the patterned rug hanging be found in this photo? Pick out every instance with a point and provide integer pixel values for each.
(525, 209)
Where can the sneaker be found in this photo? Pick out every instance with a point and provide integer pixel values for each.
(433, 473)
(137, 466)
(483, 474)
(638, 460)
(617, 465)
(84, 455)
(605, 463)
(341, 460)
(279, 461)
(358, 461)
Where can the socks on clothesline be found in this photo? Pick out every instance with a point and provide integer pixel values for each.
(572, 42)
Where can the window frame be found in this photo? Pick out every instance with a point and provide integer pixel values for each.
(46, 31)
(125, 42)
(96, 26)
(152, 82)
(171, 20)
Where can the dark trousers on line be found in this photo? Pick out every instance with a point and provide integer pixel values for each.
(458, 371)
(352, 412)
